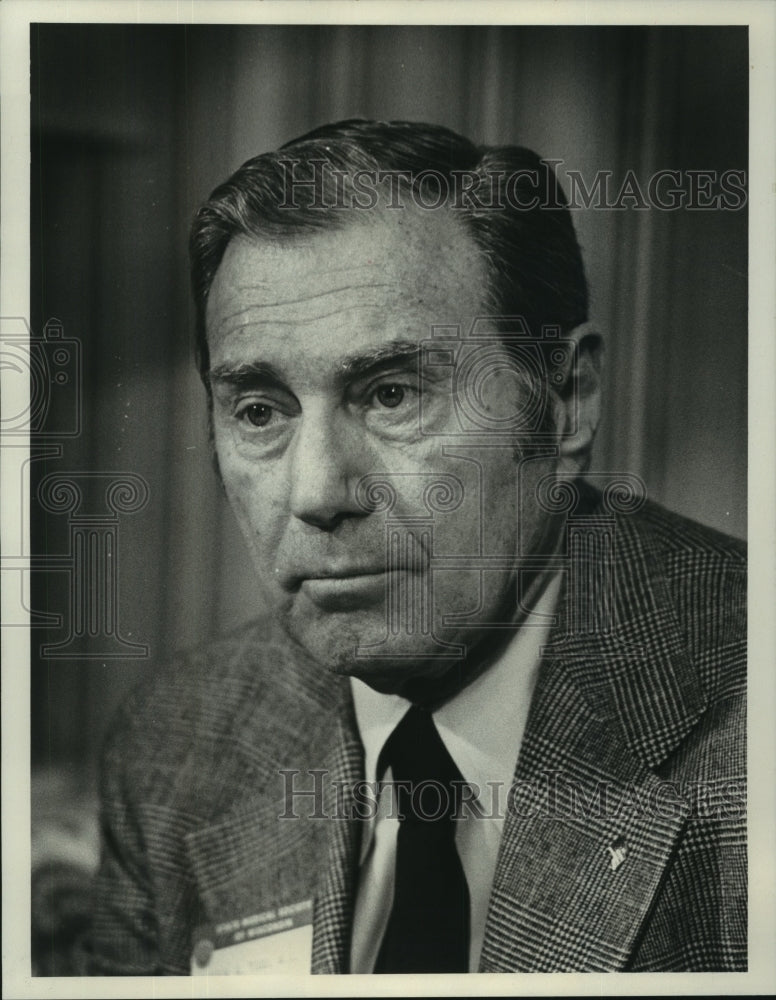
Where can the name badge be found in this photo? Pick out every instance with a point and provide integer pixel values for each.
(275, 941)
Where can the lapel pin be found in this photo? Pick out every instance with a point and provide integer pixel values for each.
(617, 853)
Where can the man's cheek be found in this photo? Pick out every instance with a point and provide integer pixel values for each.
(480, 520)
(258, 511)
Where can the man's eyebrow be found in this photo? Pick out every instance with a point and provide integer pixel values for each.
(245, 375)
(397, 352)
(249, 374)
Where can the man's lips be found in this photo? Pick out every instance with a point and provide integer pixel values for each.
(343, 574)
(293, 579)
(346, 591)
(351, 569)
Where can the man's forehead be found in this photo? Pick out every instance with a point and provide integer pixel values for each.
(404, 268)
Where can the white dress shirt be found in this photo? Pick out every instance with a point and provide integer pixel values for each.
(482, 728)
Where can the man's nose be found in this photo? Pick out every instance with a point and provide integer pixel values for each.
(326, 464)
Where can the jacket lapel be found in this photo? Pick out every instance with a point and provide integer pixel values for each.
(592, 826)
(336, 893)
(583, 848)
(250, 861)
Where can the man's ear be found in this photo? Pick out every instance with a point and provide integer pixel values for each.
(578, 402)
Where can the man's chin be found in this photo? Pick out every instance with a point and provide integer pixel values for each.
(344, 646)
(356, 646)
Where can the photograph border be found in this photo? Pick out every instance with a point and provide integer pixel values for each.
(15, 18)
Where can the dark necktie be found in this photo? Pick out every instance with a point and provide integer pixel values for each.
(428, 929)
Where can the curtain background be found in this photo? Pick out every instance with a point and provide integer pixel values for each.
(133, 125)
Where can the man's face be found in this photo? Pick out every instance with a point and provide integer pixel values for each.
(314, 347)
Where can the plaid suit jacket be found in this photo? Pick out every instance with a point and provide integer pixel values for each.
(625, 847)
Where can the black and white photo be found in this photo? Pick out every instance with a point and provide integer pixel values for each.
(384, 485)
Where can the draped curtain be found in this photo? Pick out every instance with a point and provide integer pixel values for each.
(133, 125)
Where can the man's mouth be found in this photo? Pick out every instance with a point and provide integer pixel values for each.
(344, 573)
(346, 590)
(294, 576)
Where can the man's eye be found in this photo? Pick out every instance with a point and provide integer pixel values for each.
(390, 395)
(258, 414)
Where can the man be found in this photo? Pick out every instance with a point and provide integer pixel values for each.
(491, 719)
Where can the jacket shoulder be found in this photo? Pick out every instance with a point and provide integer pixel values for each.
(703, 573)
(208, 717)
(679, 536)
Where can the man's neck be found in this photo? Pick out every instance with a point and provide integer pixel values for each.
(432, 692)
